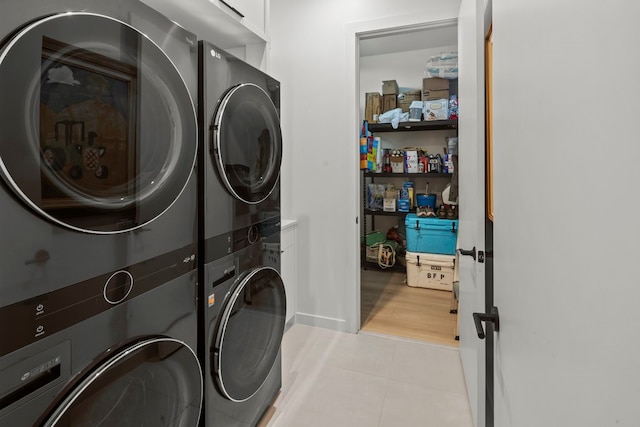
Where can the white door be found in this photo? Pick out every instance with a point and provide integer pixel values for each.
(566, 234)
(471, 179)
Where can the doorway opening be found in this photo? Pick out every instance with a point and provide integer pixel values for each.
(388, 305)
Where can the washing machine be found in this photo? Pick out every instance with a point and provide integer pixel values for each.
(129, 364)
(98, 205)
(241, 150)
(245, 310)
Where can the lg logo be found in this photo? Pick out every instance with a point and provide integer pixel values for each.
(215, 54)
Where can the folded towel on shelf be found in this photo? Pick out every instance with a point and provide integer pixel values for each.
(394, 117)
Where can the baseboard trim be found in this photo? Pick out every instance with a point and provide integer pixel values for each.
(321, 322)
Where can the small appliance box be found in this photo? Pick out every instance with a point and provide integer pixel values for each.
(431, 235)
(431, 271)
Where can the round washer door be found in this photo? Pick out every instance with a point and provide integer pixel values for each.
(247, 143)
(249, 334)
(98, 131)
(156, 382)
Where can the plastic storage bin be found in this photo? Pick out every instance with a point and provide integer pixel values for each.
(431, 235)
(433, 271)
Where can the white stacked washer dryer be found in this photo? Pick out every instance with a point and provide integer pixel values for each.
(98, 194)
(243, 304)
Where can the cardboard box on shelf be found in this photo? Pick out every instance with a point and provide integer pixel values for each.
(411, 161)
(389, 202)
(389, 102)
(389, 205)
(397, 164)
(373, 107)
(437, 109)
(435, 88)
(406, 98)
(389, 87)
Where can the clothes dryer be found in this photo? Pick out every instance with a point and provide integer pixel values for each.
(98, 193)
(241, 150)
(245, 310)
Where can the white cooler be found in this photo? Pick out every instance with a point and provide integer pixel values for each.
(432, 271)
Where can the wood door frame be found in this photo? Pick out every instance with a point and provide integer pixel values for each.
(488, 48)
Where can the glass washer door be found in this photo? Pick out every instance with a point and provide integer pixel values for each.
(98, 131)
(247, 143)
(155, 382)
(249, 334)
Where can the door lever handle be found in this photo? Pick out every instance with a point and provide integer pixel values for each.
(466, 252)
(493, 317)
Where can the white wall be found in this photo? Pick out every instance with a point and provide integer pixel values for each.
(213, 22)
(313, 53)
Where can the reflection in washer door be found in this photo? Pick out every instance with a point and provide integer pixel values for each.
(148, 383)
(247, 142)
(98, 129)
(249, 334)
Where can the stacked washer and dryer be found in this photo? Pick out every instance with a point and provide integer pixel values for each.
(243, 302)
(139, 253)
(98, 216)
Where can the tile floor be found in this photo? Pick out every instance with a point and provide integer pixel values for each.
(340, 379)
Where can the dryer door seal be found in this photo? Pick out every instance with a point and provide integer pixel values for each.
(247, 143)
(249, 334)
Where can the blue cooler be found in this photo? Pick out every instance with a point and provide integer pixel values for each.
(431, 235)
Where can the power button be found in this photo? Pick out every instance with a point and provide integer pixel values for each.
(118, 287)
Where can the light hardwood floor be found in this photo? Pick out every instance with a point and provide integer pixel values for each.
(390, 307)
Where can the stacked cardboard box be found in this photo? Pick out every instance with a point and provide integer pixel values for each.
(406, 98)
(389, 95)
(373, 107)
(435, 88)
